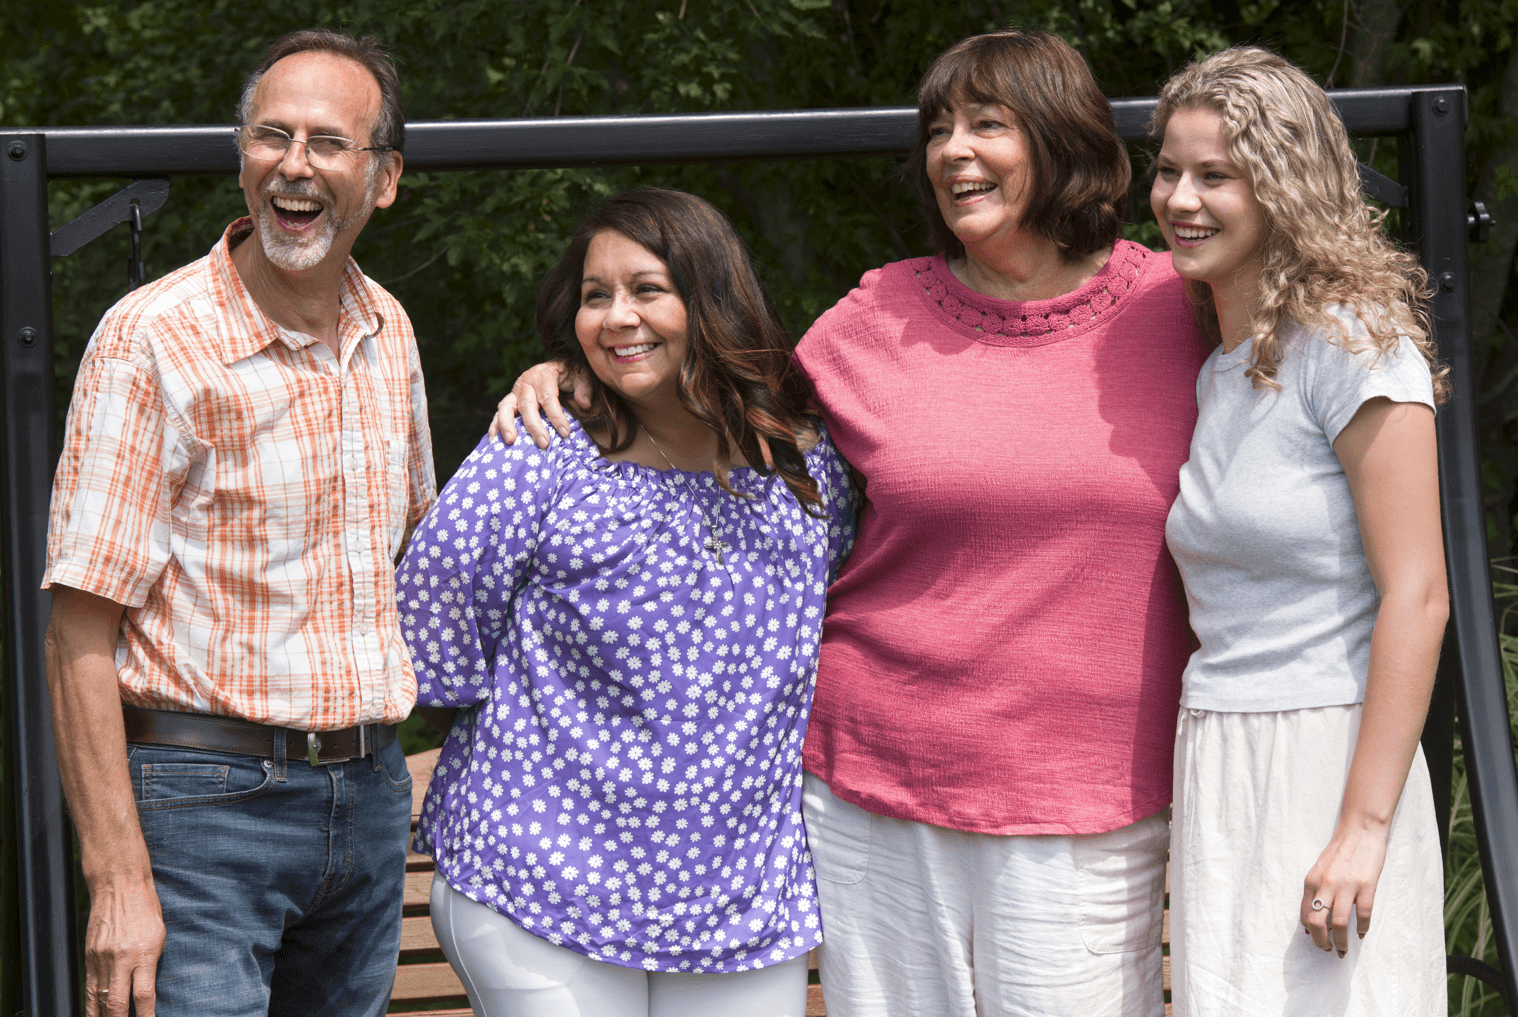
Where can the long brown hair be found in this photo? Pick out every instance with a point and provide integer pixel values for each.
(737, 377)
(1080, 169)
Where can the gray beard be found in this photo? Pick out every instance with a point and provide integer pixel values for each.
(296, 254)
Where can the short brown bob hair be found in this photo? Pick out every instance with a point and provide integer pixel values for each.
(1080, 170)
(737, 377)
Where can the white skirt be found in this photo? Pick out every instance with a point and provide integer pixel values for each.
(1256, 800)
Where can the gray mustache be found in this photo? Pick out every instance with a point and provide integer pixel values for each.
(286, 189)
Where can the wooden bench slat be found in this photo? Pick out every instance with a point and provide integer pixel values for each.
(418, 888)
(814, 1005)
(417, 936)
(423, 983)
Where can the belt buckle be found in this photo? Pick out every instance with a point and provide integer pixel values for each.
(314, 746)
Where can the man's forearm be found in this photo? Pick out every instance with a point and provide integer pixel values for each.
(125, 935)
(91, 741)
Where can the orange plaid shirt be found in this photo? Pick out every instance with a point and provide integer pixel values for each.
(244, 494)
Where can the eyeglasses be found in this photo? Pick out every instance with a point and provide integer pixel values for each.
(324, 151)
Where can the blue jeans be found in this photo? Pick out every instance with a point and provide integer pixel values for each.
(280, 882)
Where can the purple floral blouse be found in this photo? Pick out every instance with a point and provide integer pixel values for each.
(626, 782)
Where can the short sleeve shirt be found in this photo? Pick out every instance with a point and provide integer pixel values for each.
(1264, 529)
(244, 493)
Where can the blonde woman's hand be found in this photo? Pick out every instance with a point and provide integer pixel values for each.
(1344, 880)
(536, 396)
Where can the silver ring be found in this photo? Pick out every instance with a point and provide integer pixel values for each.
(1317, 904)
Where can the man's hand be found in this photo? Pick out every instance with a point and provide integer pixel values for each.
(535, 396)
(125, 935)
(122, 945)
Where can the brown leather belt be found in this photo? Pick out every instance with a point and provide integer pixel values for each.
(243, 737)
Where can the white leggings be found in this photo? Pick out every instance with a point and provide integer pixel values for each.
(509, 972)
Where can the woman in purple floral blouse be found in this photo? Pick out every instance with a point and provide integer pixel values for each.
(630, 620)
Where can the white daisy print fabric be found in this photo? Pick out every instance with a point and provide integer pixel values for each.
(626, 779)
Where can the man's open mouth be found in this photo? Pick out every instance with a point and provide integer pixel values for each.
(296, 213)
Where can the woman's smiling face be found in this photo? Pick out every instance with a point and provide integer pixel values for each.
(1206, 205)
(632, 321)
(979, 166)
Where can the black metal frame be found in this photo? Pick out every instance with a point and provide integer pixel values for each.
(41, 963)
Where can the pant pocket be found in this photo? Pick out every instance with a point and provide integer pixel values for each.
(837, 832)
(183, 778)
(391, 762)
(1121, 877)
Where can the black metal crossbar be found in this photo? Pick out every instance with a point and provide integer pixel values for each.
(41, 963)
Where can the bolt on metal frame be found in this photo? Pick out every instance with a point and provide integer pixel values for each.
(41, 970)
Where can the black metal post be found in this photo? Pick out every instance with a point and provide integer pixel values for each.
(44, 842)
(1439, 738)
(1439, 206)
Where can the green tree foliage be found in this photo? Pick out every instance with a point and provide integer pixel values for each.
(463, 251)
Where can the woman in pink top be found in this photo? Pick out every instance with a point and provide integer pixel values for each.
(990, 744)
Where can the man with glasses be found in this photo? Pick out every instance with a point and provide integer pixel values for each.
(246, 451)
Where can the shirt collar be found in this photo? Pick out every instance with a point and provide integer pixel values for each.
(246, 329)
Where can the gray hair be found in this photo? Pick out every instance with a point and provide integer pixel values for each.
(389, 126)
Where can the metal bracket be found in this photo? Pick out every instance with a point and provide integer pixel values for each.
(133, 203)
(1382, 187)
(1479, 222)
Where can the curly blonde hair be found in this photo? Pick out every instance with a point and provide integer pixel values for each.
(1323, 242)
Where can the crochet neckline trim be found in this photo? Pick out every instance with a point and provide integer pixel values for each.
(1029, 322)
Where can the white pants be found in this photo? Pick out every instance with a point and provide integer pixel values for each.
(1256, 800)
(923, 921)
(509, 972)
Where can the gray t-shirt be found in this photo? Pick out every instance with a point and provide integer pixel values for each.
(1264, 529)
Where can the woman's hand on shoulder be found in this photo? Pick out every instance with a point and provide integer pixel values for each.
(536, 396)
(1344, 879)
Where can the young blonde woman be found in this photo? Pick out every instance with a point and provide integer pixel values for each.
(1306, 875)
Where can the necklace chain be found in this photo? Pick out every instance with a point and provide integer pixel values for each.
(713, 543)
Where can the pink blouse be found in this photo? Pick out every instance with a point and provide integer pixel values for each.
(1003, 650)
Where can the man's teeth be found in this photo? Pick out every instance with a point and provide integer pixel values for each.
(1192, 233)
(969, 187)
(633, 351)
(296, 204)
